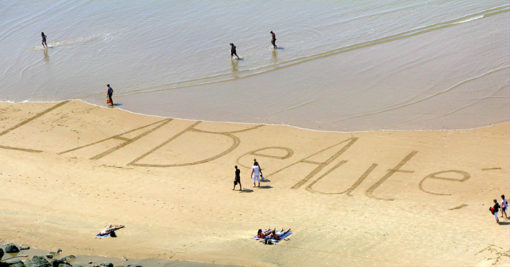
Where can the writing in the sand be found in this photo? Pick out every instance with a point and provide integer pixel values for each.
(327, 166)
(321, 170)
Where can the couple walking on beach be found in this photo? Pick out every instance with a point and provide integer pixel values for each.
(256, 175)
(495, 209)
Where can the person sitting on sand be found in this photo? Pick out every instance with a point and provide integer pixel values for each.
(263, 234)
(110, 229)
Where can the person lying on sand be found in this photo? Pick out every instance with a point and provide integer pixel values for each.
(110, 229)
(276, 236)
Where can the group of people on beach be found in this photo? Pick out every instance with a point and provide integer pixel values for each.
(256, 175)
(496, 207)
(233, 48)
(109, 92)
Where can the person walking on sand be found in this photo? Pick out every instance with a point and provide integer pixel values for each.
(255, 173)
(233, 51)
(504, 206)
(260, 169)
(273, 39)
(494, 210)
(109, 94)
(43, 42)
(237, 179)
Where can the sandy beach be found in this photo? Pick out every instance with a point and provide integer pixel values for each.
(385, 198)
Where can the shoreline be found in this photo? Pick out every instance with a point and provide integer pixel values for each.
(393, 197)
(254, 123)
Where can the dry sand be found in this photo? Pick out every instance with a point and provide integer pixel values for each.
(369, 198)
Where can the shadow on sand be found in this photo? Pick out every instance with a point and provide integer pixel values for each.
(246, 191)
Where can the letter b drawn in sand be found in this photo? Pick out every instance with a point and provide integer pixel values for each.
(235, 143)
(464, 176)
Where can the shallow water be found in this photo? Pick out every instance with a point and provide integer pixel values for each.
(342, 65)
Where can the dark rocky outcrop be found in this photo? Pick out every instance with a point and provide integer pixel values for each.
(1, 253)
(39, 261)
(14, 263)
(11, 248)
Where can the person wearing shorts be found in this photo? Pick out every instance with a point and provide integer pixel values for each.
(504, 206)
(237, 179)
(43, 41)
(255, 173)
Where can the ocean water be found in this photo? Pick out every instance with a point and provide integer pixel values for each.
(341, 65)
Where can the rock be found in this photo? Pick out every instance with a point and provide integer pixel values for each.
(1, 253)
(109, 264)
(59, 250)
(69, 258)
(39, 261)
(49, 256)
(24, 247)
(11, 248)
(14, 263)
(56, 263)
(65, 264)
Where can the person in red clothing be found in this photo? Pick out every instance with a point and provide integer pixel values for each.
(495, 209)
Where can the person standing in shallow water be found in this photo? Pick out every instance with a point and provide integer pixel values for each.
(43, 42)
(273, 39)
(233, 51)
(237, 179)
(109, 94)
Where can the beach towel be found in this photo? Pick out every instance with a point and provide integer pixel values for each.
(274, 241)
(103, 236)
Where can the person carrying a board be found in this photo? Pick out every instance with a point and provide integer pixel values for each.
(43, 42)
(233, 51)
(495, 209)
(273, 39)
(109, 94)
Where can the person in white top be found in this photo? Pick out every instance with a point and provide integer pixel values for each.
(255, 173)
(504, 206)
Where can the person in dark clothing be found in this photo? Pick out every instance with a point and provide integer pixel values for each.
(43, 42)
(237, 179)
(495, 209)
(233, 51)
(273, 39)
(109, 94)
